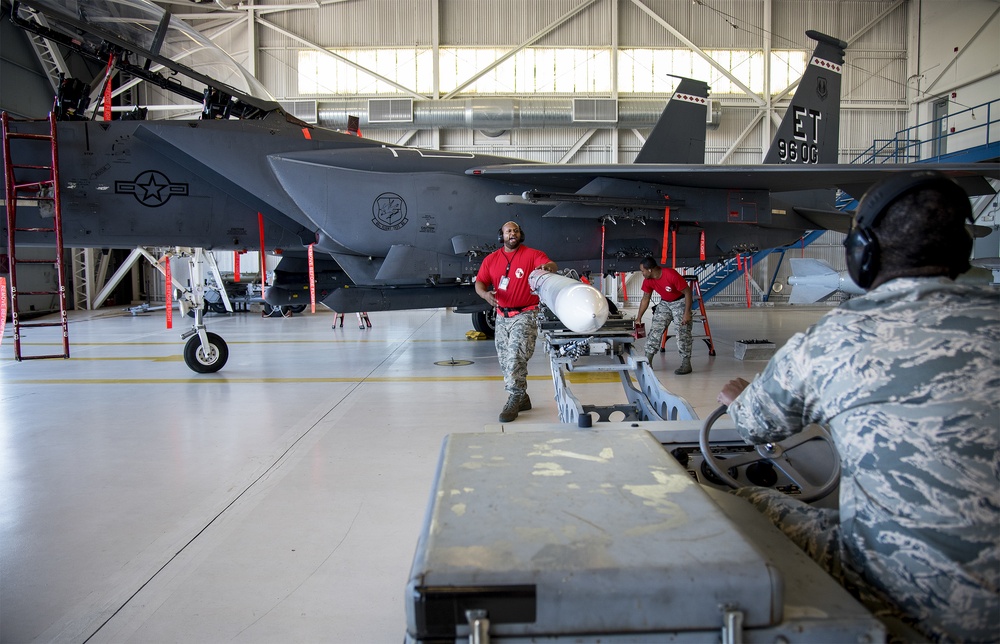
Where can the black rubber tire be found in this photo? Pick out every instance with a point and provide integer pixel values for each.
(197, 361)
(485, 322)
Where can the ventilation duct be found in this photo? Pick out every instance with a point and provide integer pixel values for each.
(303, 110)
(496, 114)
(390, 110)
(595, 110)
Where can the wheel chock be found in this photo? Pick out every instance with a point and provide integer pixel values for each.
(475, 335)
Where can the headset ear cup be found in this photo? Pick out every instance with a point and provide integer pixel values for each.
(500, 234)
(862, 255)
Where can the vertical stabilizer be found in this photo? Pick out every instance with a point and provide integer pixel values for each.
(679, 134)
(810, 131)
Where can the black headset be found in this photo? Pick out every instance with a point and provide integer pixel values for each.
(500, 232)
(861, 245)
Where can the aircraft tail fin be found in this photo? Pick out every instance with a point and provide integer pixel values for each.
(813, 280)
(679, 134)
(810, 130)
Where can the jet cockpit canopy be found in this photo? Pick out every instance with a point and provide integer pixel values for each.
(150, 44)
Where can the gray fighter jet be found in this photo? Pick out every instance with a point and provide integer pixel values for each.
(397, 227)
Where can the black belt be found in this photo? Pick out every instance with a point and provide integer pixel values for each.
(511, 311)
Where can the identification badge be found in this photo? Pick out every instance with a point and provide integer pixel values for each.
(504, 281)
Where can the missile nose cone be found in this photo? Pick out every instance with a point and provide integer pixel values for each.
(582, 308)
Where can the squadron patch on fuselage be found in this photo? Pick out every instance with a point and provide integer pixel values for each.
(389, 211)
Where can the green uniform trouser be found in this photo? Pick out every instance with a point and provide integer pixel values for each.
(515, 339)
(665, 313)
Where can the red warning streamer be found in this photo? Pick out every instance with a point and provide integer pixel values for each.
(666, 229)
(107, 88)
(312, 281)
(170, 291)
(263, 275)
(603, 230)
(701, 247)
(236, 266)
(746, 273)
(3, 305)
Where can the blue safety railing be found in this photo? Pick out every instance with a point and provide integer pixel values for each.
(714, 279)
(976, 130)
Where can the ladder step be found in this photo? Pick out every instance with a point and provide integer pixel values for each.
(45, 357)
(34, 186)
(40, 197)
(30, 167)
(20, 293)
(31, 325)
(25, 135)
(34, 230)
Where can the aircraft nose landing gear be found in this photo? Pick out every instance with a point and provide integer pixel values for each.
(205, 354)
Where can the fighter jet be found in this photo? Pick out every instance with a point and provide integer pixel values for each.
(397, 227)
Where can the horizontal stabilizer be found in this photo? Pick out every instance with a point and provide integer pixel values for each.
(802, 294)
(837, 220)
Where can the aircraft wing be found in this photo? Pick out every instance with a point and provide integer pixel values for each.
(853, 179)
(837, 220)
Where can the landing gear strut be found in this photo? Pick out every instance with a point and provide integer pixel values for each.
(204, 352)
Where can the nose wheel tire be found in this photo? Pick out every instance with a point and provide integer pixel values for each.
(202, 361)
(485, 322)
(776, 455)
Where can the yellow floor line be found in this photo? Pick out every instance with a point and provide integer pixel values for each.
(223, 380)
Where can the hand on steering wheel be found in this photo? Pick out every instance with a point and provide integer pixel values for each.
(773, 453)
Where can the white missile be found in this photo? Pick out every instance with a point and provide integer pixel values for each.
(579, 306)
(814, 279)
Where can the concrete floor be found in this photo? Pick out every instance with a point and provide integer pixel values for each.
(277, 500)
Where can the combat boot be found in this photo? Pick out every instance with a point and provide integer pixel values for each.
(684, 368)
(525, 403)
(510, 410)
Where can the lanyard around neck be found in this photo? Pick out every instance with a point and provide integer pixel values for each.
(509, 261)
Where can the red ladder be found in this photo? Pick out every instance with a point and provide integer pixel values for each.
(696, 294)
(44, 190)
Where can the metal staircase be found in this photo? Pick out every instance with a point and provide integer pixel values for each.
(715, 278)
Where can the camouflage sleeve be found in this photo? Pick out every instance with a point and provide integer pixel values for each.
(773, 406)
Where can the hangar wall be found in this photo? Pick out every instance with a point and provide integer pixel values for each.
(895, 46)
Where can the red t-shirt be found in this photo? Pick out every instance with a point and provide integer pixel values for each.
(670, 286)
(516, 266)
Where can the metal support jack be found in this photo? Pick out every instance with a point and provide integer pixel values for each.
(607, 351)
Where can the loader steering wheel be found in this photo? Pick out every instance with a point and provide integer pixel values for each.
(774, 453)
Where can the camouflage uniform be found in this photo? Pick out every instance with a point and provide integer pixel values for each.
(515, 340)
(907, 378)
(665, 313)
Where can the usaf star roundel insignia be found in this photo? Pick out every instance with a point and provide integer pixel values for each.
(151, 188)
(389, 211)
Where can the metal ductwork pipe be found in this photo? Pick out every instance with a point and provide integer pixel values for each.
(491, 114)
